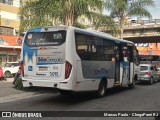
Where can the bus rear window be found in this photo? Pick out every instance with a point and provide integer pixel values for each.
(55, 38)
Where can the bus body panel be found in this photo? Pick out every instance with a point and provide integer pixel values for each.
(131, 72)
(124, 73)
(45, 65)
(90, 73)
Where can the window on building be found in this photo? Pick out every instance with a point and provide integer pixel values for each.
(1, 30)
(12, 58)
(6, 31)
(9, 2)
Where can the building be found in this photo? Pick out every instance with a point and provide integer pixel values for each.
(9, 18)
(10, 43)
(10, 48)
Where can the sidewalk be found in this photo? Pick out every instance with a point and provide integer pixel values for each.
(8, 93)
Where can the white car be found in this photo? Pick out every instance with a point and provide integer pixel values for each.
(10, 69)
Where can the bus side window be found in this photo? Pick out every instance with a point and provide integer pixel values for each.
(125, 53)
(109, 50)
(83, 47)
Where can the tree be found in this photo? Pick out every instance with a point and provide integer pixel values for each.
(127, 8)
(106, 24)
(41, 12)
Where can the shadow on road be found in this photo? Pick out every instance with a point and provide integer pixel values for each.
(79, 97)
(144, 83)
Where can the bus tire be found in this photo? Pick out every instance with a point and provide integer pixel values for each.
(132, 85)
(101, 89)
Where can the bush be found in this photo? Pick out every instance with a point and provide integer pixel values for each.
(19, 86)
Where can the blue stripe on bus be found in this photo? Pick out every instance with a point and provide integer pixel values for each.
(50, 63)
(35, 30)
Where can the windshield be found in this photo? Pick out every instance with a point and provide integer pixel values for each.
(143, 68)
(45, 38)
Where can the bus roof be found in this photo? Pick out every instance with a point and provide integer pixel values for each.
(102, 34)
(86, 31)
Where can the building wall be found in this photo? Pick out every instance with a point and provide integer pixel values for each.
(10, 48)
(9, 55)
(9, 18)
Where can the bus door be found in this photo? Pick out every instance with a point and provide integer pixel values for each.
(125, 64)
(117, 64)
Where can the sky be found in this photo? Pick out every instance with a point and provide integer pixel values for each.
(155, 11)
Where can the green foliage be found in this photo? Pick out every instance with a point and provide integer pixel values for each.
(105, 23)
(125, 8)
(19, 86)
(79, 25)
(37, 13)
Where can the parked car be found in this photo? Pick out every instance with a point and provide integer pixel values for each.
(10, 69)
(1, 73)
(149, 73)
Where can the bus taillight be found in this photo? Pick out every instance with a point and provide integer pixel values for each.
(68, 69)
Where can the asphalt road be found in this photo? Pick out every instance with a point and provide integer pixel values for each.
(142, 98)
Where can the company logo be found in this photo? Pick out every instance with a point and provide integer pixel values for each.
(30, 68)
(6, 114)
(43, 67)
(101, 71)
(21, 115)
(40, 74)
(48, 60)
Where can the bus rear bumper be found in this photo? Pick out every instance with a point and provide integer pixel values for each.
(44, 83)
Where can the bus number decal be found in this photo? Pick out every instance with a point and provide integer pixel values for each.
(54, 74)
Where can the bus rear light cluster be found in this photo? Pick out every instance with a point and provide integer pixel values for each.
(68, 68)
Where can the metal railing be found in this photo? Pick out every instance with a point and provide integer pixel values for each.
(142, 24)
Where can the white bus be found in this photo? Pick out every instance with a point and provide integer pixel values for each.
(73, 60)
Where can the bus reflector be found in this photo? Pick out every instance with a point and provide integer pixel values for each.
(68, 69)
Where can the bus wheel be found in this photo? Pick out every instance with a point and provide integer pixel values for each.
(132, 85)
(101, 89)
